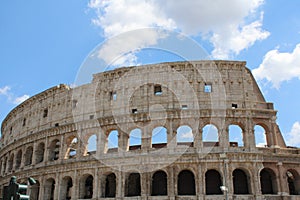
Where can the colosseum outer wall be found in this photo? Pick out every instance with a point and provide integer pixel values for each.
(48, 137)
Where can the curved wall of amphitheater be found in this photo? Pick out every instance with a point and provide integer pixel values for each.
(144, 133)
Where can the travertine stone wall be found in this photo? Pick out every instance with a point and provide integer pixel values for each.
(47, 136)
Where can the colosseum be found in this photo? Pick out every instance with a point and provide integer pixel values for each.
(177, 130)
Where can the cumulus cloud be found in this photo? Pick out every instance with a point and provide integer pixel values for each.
(20, 99)
(293, 137)
(278, 67)
(6, 92)
(187, 135)
(229, 30)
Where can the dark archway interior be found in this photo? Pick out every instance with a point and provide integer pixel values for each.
(213, 182)
(159, 184)
(266, 182)
(133, 187)
(110, 185)
(186, 183)
(240, 182)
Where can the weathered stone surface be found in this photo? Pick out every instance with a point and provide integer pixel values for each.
(47, 137)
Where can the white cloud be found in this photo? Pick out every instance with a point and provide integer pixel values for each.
(293, 137)
(187, 135)
(6, 91)
(278, 67)
(20, 99)
(229, 30)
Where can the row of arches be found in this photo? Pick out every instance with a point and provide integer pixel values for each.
(186, 184)
(159, 138)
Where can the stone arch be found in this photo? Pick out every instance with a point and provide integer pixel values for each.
(39, 153)
(35, 191)
(49, 188)
(91, 144)
(18, 159)
(135, 139)
(159, 186)
(110, 185)
(112, 141)
(133, 185)
(213, 182)
(236, 135)
(159, 137)
(240, 182)
(184, 135)
(268, 181)
(72, 147)
(260, 135)
(54, 148)
(86, 186)
(186, 183)
(28, 155)
(293, 180)
(210, 135)
(66, 188)
(11, 162)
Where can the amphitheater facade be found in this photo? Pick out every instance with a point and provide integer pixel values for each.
(146, 132)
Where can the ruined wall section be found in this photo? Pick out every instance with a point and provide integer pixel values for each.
(126, 91)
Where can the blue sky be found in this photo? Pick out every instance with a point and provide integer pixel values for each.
(44, 43)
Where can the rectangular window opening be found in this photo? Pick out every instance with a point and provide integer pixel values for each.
(91, 116)
(157, 90)
(24, 122)
(113, 96)
(208, 88)
(45, 114)
(74, 103)
(184, 107)
(134, 111)
(234, 106)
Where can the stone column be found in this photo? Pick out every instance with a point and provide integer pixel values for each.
(171, 183)
(224, 138)
(281, 180)
(145, 189)
(57, 187)
(200, 183)
(198, 143)
(123, 139)
(120, 187)
(75, 190)
(146, 139)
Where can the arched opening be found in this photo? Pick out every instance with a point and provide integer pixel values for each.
(260, 136)
(159, 137)
(213, 182)
(92, 145)
(35, 191)
(54, 150)
(186, 183)
(110, 186)
(39, 153)
(66, 188)
(240, 182)
(293, 180)
(268, 181)
(11, 162)
(112, 141)
(135, 139)
(18, 159)
(49, 189)
(133, 185)
(28, 156)
(235, 136)
(210, 135)
(159, 184)
(86, 187)
(72, 146)
(185, 136)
